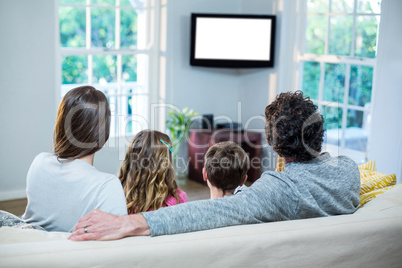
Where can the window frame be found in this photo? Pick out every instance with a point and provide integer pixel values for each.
(350, 60)
(119, 116)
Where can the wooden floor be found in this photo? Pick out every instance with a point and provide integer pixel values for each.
(16, 207)
(194, 190)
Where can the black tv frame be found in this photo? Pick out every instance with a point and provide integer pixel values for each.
(219, 63)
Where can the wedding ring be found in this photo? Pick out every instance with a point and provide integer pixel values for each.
(85, 230)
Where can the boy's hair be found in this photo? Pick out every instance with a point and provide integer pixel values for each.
(226, 164)
(147, 172)
(83, 123)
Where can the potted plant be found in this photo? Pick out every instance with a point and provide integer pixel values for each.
(178, 126)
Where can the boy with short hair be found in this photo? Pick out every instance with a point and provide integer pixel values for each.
(225, 169)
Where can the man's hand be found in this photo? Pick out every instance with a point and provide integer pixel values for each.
(100, 225)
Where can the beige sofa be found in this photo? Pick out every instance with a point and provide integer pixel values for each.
(372, 237)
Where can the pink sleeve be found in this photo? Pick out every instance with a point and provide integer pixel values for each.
(171, 201)
(182, 196)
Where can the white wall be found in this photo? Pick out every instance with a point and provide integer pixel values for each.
(27, 87)
(385, 140)
(256, 84)
(206, 90)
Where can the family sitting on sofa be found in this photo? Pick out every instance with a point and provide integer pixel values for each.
(63, 186)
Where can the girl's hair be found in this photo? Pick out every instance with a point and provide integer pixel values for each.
(147, 173)
(83, 123)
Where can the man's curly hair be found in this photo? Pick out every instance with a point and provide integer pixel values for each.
(294, 128)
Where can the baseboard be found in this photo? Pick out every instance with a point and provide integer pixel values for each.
(11, 195)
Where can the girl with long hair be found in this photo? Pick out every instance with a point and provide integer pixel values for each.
(147, 173)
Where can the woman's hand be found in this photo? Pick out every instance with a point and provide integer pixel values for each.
(99, 225)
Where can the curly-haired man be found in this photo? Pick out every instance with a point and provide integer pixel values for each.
(313, 184)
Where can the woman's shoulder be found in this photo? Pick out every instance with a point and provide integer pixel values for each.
(105, 178)
(42, 160)
(44, 155)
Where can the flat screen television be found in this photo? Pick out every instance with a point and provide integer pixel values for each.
(232, 41)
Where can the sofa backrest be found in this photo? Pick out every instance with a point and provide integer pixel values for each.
(371, 237)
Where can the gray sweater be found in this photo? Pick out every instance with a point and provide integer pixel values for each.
(322, 187)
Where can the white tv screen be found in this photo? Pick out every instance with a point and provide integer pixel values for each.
(233, 41)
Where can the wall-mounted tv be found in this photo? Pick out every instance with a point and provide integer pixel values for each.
(232, 41)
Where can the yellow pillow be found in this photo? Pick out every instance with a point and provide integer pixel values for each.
(280, 165)
(378, 183)
(365, 198)
(371, 179)
(368, 172)
(367, 175)
(368, 166)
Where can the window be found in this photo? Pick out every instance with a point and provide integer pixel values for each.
(110, 44)
(337, 58)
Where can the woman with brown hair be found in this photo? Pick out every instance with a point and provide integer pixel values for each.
(147, 173)
(63, 186)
